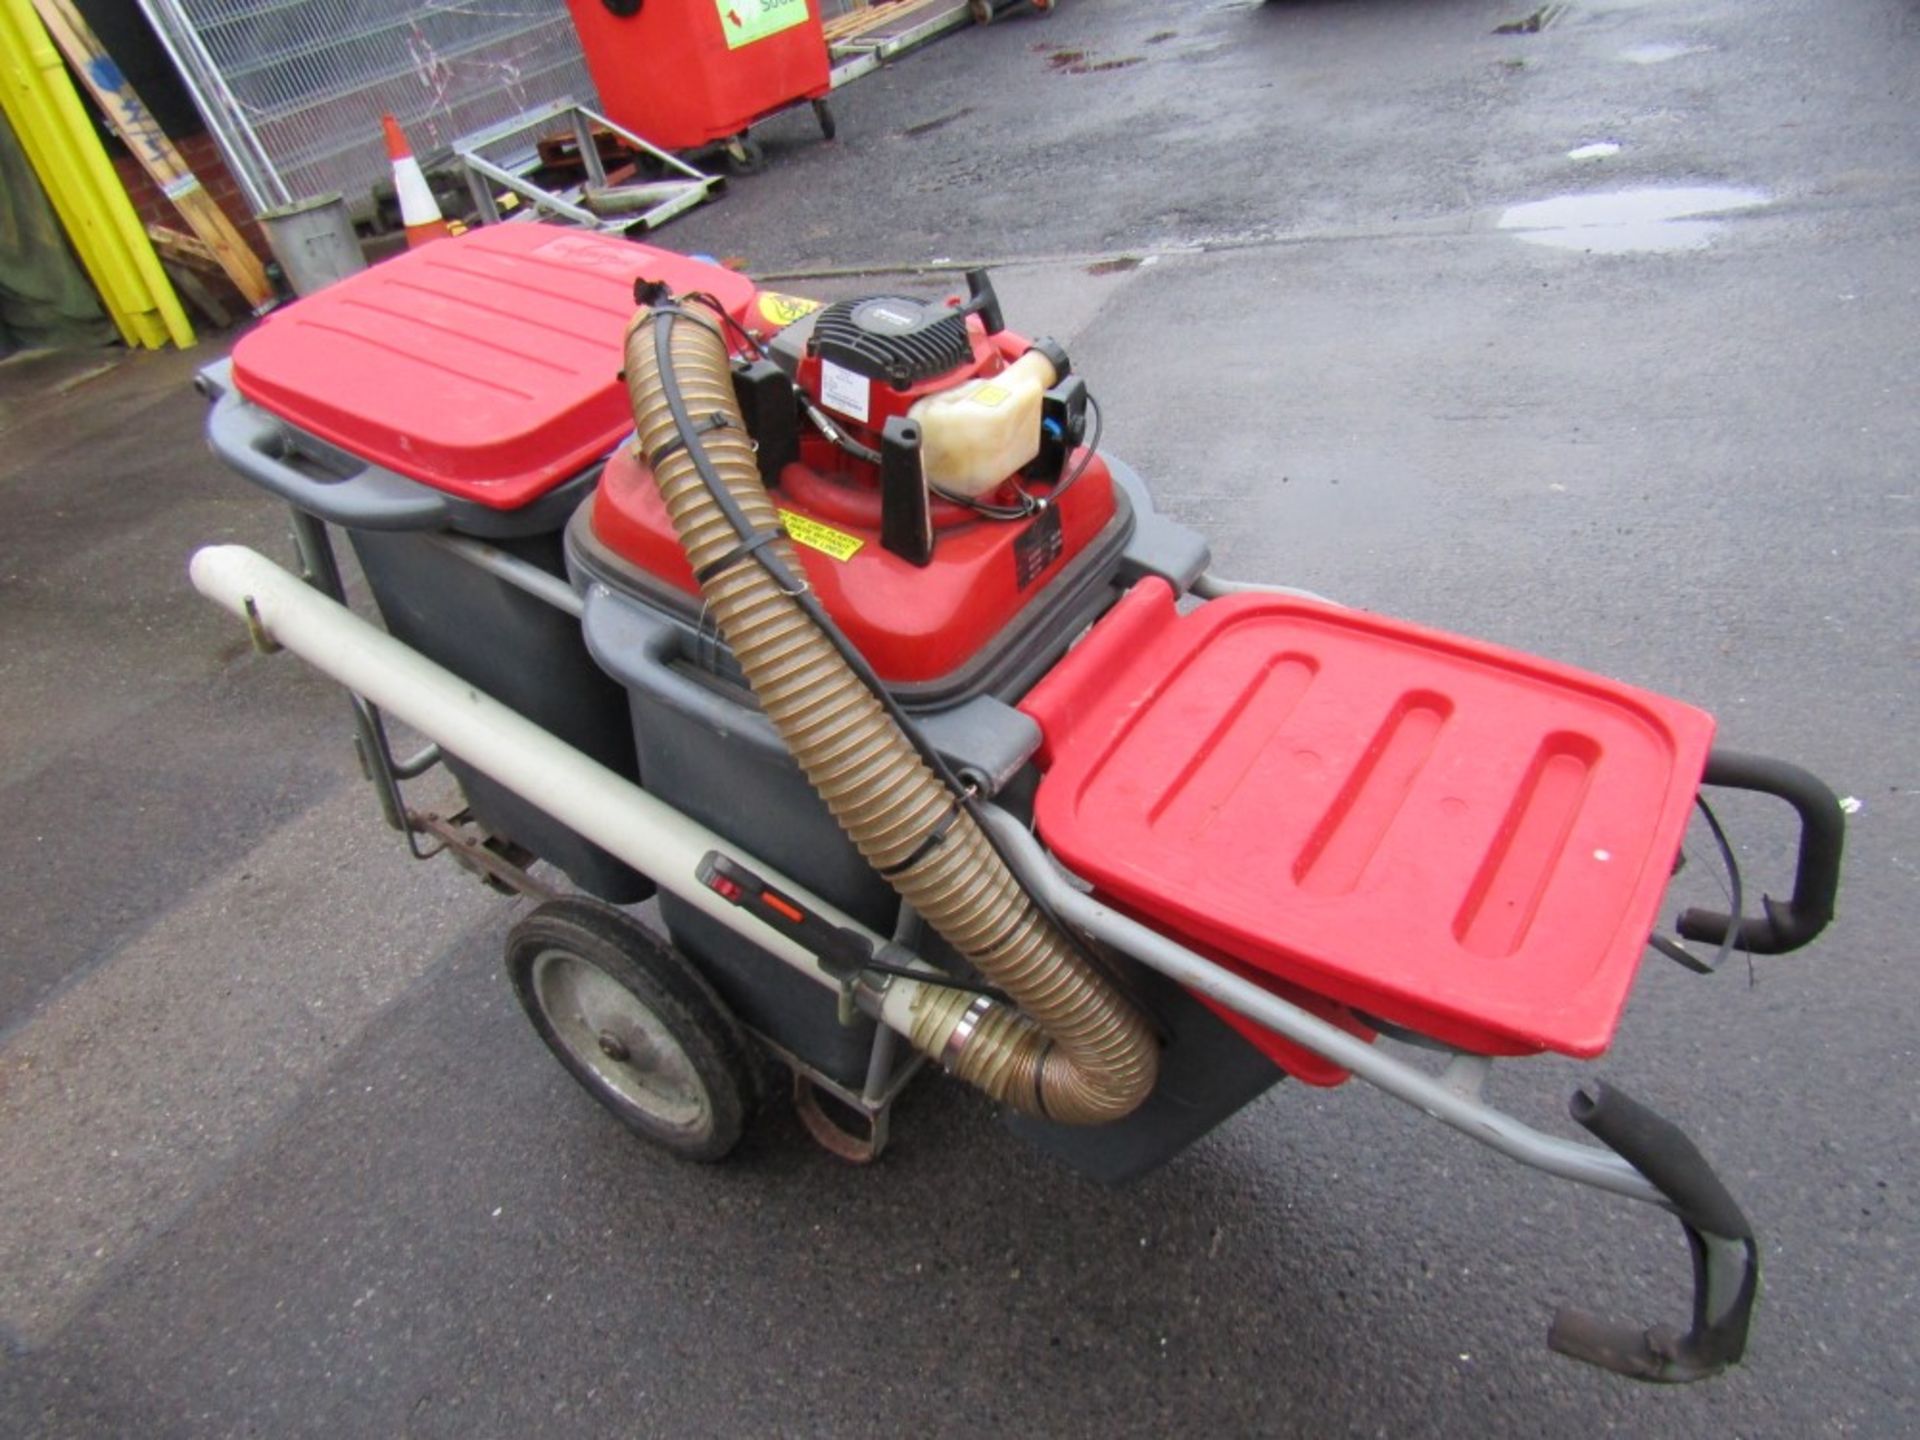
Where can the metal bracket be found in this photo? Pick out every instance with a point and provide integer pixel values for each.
(499, 863)
(263, 642)
(873, 1102)
(486, 176)
(833, 1137)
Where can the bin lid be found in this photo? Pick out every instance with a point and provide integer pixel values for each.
(1441, 833)
(485, 365)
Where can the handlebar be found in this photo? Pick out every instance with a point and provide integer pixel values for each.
(1785, 925)
(1726, 1258)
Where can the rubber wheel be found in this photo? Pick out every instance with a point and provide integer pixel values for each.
(636, 1025)
(981, 11)
(823, 112)
(745, 155)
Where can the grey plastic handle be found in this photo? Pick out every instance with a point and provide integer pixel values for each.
(370, 498)
(668, 644)
(639, 648)
(644, 650)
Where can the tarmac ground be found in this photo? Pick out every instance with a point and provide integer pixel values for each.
(282, 1157)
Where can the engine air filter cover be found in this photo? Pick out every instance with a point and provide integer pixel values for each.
(892, 338)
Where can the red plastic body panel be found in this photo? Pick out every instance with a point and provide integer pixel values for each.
(915, 625)
(1438, 832)
(485, 365)
(668, 73)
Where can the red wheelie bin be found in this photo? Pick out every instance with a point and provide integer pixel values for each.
(691, 75)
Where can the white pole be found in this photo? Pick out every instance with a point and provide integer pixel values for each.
(608, 809)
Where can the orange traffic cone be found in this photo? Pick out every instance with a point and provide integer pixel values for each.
(419, 211)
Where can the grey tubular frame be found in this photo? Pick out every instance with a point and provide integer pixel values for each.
(1436, 1096)
(1442, 1097)
(1646, 1158)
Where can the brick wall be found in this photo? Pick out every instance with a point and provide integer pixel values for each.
(203, 158)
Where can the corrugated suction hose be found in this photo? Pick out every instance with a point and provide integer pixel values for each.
(1074, 1051)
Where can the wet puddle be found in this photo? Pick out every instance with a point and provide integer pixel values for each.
(1651, 220)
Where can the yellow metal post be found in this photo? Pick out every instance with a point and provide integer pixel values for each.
(45, 111)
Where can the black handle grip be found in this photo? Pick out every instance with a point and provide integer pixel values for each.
(1726, 1258)
(256, 445)
(982, 301)
(1786, 925)
(1661, 1151)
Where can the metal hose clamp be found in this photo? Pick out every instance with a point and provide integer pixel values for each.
(964, 1031)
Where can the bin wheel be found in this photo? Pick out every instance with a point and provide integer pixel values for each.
(981, 11)
(745, 155)
(635, 1024)
(1045, 7)
(823, 112)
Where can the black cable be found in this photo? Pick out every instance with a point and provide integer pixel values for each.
(1672, 948)
(1733, 880)
(938, 978)
(712, 302)
(1030, 505)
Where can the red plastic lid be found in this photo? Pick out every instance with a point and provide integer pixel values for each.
(486, 365)
(1444, 834)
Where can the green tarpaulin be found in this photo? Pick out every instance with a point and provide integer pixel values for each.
(46, 300)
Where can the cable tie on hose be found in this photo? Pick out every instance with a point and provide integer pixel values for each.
(933, 840)
(747, 549)
(705, 425)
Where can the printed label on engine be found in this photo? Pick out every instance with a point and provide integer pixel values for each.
(846, 391)
(745, 21)
(804, 530)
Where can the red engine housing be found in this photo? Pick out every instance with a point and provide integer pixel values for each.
(917, 625)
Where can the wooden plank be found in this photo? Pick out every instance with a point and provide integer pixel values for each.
(136, 126)
(858, 22)
(176, 247)
(850, 31)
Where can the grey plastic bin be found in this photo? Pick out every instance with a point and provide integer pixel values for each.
(707, 750)
(513, 646)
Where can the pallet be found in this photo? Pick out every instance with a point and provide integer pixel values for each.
(858, 22)
(861, 39)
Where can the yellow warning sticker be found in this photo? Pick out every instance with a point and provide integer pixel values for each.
(745, 21)
(783, 310)
(804, 530)
(990, 396)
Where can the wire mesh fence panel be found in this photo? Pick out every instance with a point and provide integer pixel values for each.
(301, 84)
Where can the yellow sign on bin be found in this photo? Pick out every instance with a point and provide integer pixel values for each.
(745, 21)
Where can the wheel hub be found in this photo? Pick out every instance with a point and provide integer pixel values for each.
(619, 1039)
